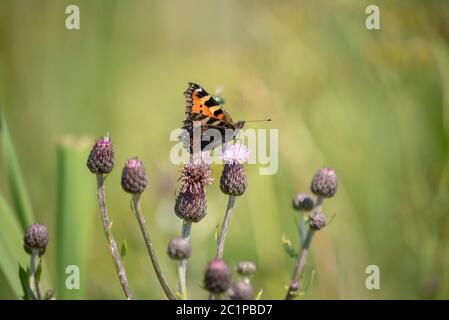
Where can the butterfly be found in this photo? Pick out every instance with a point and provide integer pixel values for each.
(204, 111)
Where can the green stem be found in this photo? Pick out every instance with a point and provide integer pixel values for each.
(224, 228)
(302, 229)
(299, 266)
(119, 267)
(222, 236)
(35, 293)
(182, 265)
(146, 236)
(305, 246)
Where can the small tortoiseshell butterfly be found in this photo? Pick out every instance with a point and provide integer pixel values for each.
(202, 107)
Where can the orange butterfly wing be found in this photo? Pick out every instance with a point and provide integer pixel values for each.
(203, 103)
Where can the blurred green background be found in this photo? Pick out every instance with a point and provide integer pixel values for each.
(373, 104)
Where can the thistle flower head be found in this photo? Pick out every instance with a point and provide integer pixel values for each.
(101, 157)
(233, 179)
(235, 153)
(302, 201)
(325, 183)
(195, 177)
(191, 206)
(246, 268)
(217, 278)
(36, 238)
(134, 179)
(179, 248)
(317, 220)
(241, 290)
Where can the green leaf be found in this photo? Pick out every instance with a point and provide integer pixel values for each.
(123, 249)
(216, 232)
(76, 207)
(288, 247)
(25, 282)
(14, 177)
(38, 273)
(259, 295)
(11, 247)
(307, 278)
(179, 295)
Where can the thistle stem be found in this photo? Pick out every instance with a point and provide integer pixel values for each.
(302, 229)
(224, 228)
(182, 265)
(119, 267)
(305, 246)
(300, 263)
(35, 288)
(146, 236)
(223, 232)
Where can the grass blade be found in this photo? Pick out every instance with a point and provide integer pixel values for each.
(11, 247)
(75, 207)
(14, 176)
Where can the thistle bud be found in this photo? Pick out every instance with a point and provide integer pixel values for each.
(317, 220)
(101, 157)
(294, 287)
(134, 178)
(217, 278)
(36, 238)
(233, 179)
(179, 249)
(246, 268)
(302, 201)
(325, 183)
(190, 206)
(241, 290)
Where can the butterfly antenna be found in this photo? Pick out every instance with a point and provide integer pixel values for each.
(260, 120)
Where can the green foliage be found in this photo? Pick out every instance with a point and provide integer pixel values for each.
(14, 177)
(123, 249)
(372, 104)
(288, 247)
(11, 242)
(74, 214)
(25, 282)
(259, 295)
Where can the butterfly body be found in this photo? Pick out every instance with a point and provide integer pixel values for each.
(203, 110)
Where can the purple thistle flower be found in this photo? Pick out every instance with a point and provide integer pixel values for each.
(195, 177)
(235, 153)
